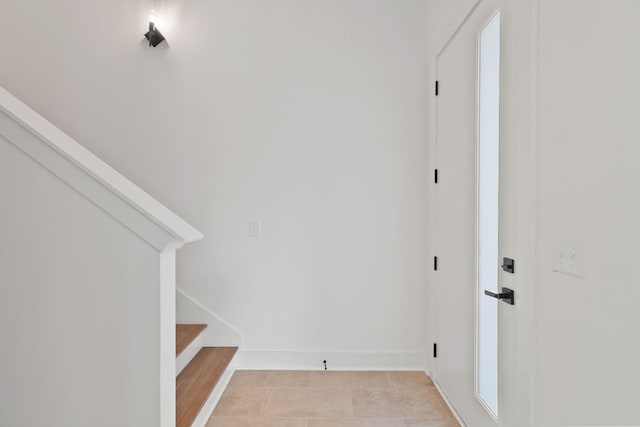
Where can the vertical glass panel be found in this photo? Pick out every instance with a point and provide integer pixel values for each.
(488, 190)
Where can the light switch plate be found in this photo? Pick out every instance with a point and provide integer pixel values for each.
(569, 257)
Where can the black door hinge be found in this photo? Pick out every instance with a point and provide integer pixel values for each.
(435, 350)
(437, 88)
(435, 263)
(435, 176)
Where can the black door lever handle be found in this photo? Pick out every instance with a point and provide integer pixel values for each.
(506, 294)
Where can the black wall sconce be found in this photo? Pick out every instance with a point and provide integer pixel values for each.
(154, 36)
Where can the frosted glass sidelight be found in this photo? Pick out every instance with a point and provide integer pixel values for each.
(488, 212)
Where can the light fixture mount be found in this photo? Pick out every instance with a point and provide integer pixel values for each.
(154, 36)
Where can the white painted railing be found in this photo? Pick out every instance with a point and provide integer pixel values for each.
(78, 167)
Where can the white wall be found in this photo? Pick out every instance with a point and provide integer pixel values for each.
(306, 115)
(444, 16)
(79, 307)
(588, 341)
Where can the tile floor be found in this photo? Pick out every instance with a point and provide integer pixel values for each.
(331, 399)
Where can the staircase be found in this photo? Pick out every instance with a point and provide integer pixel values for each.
(202, 374)
(48, 162)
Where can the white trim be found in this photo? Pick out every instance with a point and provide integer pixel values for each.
(167, 330)
(521, 63)
(92, 177)
(449, 404)
(213, 399)
(336, 360)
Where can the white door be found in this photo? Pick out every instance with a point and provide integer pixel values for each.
(466, 366)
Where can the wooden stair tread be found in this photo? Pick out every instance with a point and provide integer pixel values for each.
(196, 381)
(185, 334)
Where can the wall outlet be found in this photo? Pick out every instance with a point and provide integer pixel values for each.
(255, 228)
(569, 257)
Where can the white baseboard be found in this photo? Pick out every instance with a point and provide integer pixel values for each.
(448, 402)
(336, 361)
(214, 397)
